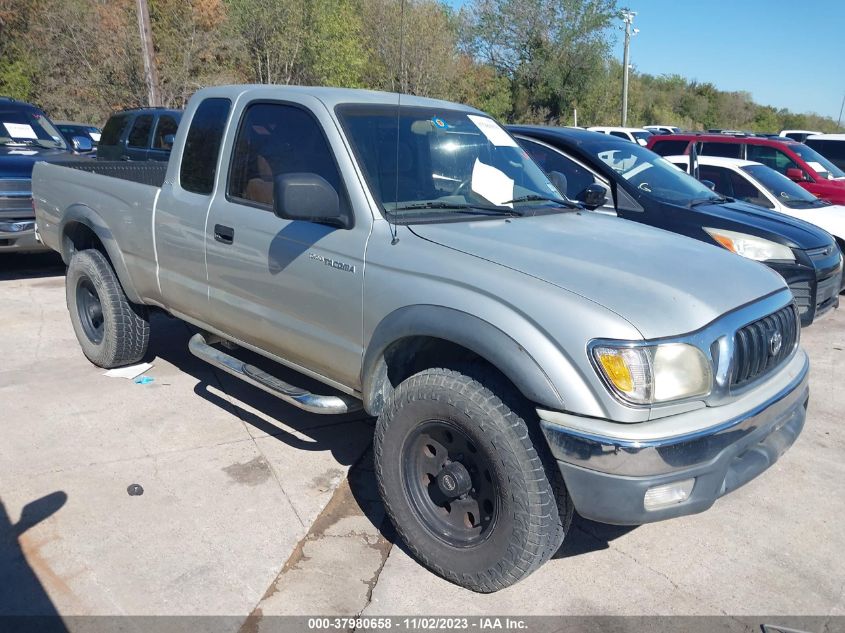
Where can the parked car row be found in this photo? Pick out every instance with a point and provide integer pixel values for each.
(525, 354)
(27, 136)
(643, 188)
(796, 161)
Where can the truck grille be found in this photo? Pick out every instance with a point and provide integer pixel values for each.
(756, 348)
(15, 185)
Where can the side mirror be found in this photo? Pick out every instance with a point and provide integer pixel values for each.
(168, 140)
(594, 196)
(795, 174)
(709, 184)
(81, 144)
(307, 197)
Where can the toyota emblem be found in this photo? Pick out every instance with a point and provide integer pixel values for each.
(775, 343)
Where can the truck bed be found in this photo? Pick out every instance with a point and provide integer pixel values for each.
(147, 173)
(117, 198)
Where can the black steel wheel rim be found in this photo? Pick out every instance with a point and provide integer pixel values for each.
(90, 310)
(437, 454)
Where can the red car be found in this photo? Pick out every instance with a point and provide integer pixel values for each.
(795, 160)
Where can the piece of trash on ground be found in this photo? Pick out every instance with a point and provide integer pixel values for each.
(143, 380)
(130, 372)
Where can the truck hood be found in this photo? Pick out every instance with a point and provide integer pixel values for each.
(17, 162)
(662, 283)
(778, 227)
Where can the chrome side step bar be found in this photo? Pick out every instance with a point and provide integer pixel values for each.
(300, 398)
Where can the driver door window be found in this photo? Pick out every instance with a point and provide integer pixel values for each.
(276, 139)
(577, 178)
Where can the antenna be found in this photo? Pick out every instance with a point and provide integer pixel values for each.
(394, 230)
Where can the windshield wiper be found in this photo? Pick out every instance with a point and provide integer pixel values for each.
(537, 198)
(458, 207)
(713, 200)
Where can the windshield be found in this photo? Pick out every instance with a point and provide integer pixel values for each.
(69, 131)
(642, 137)
(27, 126)
(787, 192)
(654, 176)
(446, 162)
(822, 166)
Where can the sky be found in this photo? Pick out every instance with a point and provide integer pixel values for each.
(787, 54)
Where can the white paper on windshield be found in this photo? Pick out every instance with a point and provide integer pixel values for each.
(636, 170)
(491, 183)
(817, 167)
(95, 136)
(20, 130)
(493, 131)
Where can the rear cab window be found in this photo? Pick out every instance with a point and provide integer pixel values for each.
(202, 146)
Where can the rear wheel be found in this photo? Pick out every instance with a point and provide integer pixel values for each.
(111, 330)
(463, 482)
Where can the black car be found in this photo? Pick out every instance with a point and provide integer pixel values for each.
(139, 134)
(26, 136)
(641, 186)
(75, 133)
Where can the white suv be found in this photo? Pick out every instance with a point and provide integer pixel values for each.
(633, 134)
(758, 184)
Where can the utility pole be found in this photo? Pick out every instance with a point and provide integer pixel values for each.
(841, 108)
(150, 74)
(628, 18)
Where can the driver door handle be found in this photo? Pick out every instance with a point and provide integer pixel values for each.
(224, 234)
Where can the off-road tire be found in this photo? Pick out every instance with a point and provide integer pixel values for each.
(534, 508)
(125, 326)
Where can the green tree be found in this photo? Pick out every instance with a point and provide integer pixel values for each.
(336, 54)
(551, 50)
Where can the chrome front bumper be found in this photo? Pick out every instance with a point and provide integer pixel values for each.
(19, 236)
(608, 473)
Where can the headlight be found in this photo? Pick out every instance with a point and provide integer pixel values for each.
(654, 373)
(750, 246)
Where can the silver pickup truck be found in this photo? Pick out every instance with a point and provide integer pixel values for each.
(524, 358)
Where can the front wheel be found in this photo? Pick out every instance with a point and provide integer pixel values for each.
(111, 330)
(464, 484)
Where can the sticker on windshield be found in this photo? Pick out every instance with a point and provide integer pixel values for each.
(491, 184)
(817, 167)
(439, 123)
(20, 130)
(95, 136)
(493, 131)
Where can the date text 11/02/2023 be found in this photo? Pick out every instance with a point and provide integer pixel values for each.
(421, 623)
